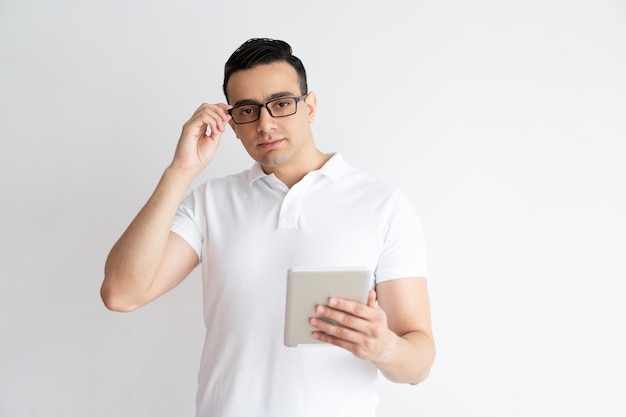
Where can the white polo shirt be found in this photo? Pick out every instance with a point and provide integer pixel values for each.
(248, 230)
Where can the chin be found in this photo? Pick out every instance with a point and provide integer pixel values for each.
(272, 160)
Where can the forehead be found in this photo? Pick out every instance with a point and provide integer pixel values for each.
(261, 82)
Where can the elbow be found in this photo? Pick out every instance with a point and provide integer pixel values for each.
(422, 371)
(420, 378)
(115, 302)
(423, 375)
(414, 379)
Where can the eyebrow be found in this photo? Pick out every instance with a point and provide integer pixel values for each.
(273, 96)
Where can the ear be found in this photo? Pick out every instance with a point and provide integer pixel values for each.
(311, 105)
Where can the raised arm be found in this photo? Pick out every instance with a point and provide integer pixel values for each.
(149, 260)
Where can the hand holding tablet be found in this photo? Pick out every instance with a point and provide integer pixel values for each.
(307, 288)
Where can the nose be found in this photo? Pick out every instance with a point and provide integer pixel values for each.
(266, 122)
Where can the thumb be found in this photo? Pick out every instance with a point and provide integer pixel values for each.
(371, 299)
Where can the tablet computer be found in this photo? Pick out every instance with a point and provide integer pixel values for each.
(308, 287)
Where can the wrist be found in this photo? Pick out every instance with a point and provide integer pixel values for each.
(388, 353)
(180, 175)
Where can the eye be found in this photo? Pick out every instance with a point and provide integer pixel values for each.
(280, 107)
(281, 104)
(246, 111)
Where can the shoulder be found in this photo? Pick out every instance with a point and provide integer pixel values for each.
(216, 190)
(231, 183)
(376, 187)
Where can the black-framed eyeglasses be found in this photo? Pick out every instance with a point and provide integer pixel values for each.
(280, 107)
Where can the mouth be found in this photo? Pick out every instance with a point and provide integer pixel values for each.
(270, 144)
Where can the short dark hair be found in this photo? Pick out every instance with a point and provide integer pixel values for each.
(262, 51)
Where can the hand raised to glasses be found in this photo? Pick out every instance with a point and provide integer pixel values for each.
(200, 138)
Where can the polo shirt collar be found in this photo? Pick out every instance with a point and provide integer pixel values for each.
(334, 169)
(255, 173)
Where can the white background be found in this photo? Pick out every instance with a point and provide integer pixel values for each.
(504, 121)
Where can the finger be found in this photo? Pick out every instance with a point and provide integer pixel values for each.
(225, 107)
(352, 307)
(214, 120)
(371, 299)
(220, 114)
(218, 108)
(207, 125)
(334, 331)
(344, 319)
(326, 338)
(213, 116)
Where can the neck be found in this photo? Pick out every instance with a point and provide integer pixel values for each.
(293, 173)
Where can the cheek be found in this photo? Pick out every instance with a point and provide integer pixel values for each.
(244, 133)
(246, 139)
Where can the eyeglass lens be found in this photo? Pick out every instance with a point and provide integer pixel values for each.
(277, 108)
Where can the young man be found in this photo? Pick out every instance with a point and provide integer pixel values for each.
(295, 207)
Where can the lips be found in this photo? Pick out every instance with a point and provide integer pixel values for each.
(270, 144)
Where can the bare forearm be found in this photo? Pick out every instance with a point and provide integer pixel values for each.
(148, 260)
(409, 360)
(134, 260)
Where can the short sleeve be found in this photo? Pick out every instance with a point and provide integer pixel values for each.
(188, 221)
(404, 248)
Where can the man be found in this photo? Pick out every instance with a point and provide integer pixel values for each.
(295, 207)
